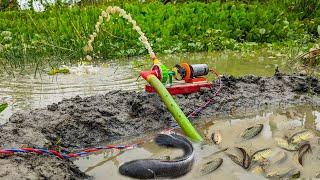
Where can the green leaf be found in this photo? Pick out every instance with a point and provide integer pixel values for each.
(3, 106)
(262, 30)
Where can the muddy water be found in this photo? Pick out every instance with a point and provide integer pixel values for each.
(277, 123)
(25, 91)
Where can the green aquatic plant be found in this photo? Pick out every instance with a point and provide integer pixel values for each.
(3, 106)
(59, 33)
(55, 71)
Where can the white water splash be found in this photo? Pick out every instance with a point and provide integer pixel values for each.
(122, 13)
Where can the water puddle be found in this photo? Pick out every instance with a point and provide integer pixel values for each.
(277, 123)
(25, 91)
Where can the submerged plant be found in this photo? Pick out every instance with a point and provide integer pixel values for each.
(55, 71)
(3, 106)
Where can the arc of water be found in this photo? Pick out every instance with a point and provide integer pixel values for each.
(125, 15)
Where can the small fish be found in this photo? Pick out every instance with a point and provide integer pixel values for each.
(283, 143)
(252, 131)
(282, 173)
(243, 161)
(211, 166)
(157, 168)
(246, 161)
(216, 137)
(235, 159)
(305, 148)
(301, 136)
(261, 155)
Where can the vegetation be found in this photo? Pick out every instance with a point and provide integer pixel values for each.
(3, 107)
(60, 33)
(55, 71)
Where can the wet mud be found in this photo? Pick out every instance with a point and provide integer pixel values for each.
(90, 121)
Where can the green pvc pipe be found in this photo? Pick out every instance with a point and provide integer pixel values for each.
(174, 109)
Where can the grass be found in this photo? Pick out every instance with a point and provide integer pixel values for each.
(59, 34)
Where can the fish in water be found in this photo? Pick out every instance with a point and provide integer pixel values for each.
(261, 155)
(300, 137)
(284, 144)
(283, 172)
(246, 161)
(211, 166)
(252, 131)
(235, 159)
(216, 137)
(243, 161)
(302, 151)
(157, 168)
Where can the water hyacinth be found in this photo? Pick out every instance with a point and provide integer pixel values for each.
(70, 1)
(49, 2)
(24, 4)
(125, 15)
(37, 6)
(7, 39)
(6, 33)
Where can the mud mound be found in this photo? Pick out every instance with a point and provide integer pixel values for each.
(84, 122)
(27, 166)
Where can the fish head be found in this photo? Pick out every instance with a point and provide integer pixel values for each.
(216, 137)
(255, 158)
(136, 169)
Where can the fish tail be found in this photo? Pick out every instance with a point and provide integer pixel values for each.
(246, 161)
(303, 151)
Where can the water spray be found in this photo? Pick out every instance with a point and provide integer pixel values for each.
(160, 77)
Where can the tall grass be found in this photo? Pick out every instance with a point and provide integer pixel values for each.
(60, 33)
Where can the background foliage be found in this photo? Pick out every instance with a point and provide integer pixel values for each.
(60, 33)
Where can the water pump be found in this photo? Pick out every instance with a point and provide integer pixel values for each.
(182, 78)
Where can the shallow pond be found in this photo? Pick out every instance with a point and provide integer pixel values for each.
(25, 91)
(277, 123)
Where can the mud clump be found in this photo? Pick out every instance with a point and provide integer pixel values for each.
(28, 166)
(85, 122)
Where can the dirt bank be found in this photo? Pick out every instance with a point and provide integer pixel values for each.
(84, 122)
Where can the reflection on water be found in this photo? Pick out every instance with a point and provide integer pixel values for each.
(277, 123)
(26, 92)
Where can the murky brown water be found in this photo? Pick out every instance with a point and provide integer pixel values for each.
(24, 92)
(277, 123)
